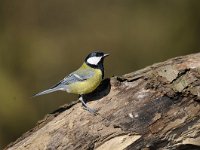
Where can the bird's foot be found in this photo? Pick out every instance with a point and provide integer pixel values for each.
(92, 111)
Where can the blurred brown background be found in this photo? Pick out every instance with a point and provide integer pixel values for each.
(42, 41)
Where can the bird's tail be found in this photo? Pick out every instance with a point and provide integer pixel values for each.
(47, 91)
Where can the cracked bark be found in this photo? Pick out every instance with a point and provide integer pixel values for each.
(157, 107)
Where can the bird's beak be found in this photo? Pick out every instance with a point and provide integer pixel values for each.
(105, 55)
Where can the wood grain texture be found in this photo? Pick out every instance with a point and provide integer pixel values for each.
(156, 107)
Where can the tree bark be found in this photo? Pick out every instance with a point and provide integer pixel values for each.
(156, 107)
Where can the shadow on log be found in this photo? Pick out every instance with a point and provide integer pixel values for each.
(157, 107)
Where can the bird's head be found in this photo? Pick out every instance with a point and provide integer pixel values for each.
(95, 59)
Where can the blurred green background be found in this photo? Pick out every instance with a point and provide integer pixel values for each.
(42, 41)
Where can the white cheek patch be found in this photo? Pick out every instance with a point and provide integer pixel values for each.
(94, 60)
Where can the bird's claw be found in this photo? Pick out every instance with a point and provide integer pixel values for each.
(92, 111)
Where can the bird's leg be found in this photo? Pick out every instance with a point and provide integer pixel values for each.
(85, 105)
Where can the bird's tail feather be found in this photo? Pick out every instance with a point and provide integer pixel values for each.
(47, 91)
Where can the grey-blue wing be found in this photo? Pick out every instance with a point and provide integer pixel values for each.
(76, 76)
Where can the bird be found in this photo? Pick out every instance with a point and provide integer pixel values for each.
(84, 80)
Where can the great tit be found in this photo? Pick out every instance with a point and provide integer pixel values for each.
(84, 80)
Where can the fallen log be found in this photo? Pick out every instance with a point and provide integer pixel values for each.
(157, 107)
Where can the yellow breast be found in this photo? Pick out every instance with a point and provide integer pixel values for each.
(87, 86)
